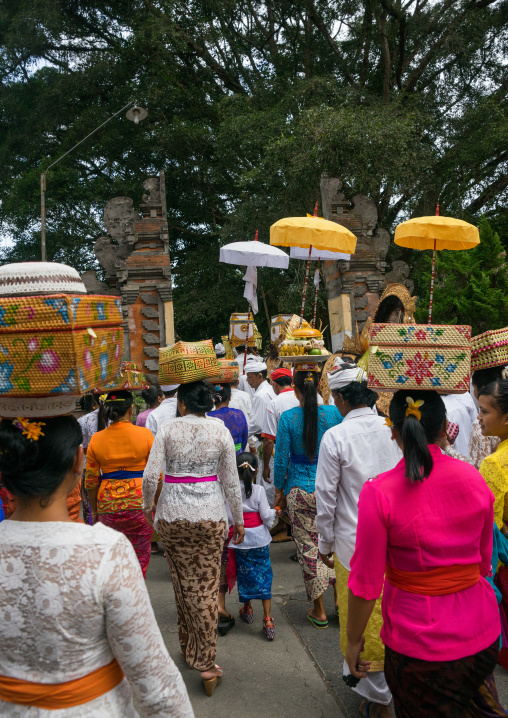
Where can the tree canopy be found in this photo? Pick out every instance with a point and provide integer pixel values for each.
(249, 103)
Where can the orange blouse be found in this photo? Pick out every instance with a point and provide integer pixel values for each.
(120, 447)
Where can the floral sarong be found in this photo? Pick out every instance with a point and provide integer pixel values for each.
(254, 573)
(133, 525)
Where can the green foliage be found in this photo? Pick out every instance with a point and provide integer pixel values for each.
(471, 286)
(249, 103)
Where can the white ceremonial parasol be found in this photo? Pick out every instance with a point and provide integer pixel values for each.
(324, 254)
(254, 254)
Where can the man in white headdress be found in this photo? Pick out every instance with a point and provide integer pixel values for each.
(256, 372)
(220, 350)
(350, 454)
(165, 411)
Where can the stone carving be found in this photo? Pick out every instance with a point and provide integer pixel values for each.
(119, 220)
(94, 285)
(152, 186)
(400, 275)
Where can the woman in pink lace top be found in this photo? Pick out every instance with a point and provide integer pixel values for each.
(428, 524)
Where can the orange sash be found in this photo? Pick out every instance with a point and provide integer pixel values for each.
(438, 582)
(53, 696)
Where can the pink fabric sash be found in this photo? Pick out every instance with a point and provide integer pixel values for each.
(187, 479)
(251, 520)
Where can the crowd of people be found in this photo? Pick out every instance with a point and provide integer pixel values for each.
(405, 524)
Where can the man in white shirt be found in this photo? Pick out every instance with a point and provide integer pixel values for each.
(461, 410)
(165, 411)
(240, 400)
(242, 360)
(256, 372)
(349, 455)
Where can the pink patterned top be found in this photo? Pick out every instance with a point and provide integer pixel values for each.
(445, 520)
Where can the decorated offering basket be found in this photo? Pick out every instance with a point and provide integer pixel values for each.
(489, 349)
(58, 344)
(130, 378)
(185, 362)
(229, 371)
(420, 356)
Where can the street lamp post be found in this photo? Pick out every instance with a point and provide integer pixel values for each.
(135, 114)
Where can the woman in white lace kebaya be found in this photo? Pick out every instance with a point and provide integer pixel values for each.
(78, 637)
(198, 457)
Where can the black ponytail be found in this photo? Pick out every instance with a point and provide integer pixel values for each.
(416, 433)
(222, 393)
(116, 405)
(246, 474)
(101, 417)
(307, 383)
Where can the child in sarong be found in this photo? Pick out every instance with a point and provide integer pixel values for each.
(249, 564)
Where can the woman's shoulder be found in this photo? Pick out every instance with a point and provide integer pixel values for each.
(55, 533)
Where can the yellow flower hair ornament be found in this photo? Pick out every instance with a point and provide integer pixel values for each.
(413, 407)
(388, 421)
(31, 429)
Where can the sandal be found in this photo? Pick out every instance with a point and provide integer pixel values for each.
(316, 623)
(247, 614)
(226, 624)
(212, 683)
(269, 631)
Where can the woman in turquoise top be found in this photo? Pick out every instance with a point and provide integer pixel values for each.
(299, 435)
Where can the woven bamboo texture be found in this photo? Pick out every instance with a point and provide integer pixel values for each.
(130, 378)
(413, 356)
(489, 349)
(185, 362)
(58, 311)
(229, 371)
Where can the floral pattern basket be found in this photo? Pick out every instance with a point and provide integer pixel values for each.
(420, 356)
(489, 349)
(58, 344)
(130, 378)
(185, 362)
(229, 371)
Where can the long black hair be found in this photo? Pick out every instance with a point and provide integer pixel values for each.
(32, 468)
(357, 393)
(307, 383)
(482, 377)
(417, 434)
(197, 396)
(117, 403)
(498, 390)
(248, 473)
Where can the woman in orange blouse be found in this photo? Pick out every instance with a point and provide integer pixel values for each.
(115, 461)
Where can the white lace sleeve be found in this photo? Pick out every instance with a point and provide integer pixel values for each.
(135, 638)
(228, 476)
(153, 468)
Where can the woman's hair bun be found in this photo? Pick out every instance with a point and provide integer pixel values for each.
(197, 396)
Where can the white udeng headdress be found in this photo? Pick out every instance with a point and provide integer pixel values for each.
(343, 374)
(255, 366)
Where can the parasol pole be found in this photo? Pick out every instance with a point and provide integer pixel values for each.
(433, 273)
(307, 274)
(315, 297)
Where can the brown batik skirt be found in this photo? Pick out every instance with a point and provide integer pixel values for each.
(443, 689)
(193, 551)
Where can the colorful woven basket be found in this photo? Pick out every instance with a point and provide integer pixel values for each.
(420, 356)
(185, 362)
(58, 344)
(489, 349)
(130, 378)
(229, 371)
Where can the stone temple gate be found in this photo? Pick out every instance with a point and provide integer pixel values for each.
(135, 257)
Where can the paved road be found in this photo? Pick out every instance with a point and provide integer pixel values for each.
(296, 676)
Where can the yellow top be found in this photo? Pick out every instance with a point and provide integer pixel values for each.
(315, 232)
(437, 233)
(494, 469)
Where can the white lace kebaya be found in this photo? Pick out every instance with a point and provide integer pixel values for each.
(194, 446)
(72, 598)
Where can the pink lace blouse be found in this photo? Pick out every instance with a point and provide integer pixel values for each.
(447, 519)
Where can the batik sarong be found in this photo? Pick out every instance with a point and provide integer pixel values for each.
(441, 689)
(193, 552)
(254, 573)
(133, 525)
(302, 514)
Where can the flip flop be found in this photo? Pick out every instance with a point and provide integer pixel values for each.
(316, 623)
(225, 624)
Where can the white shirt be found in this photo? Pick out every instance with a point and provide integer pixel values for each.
(350, 454)
(263, 397)
(283, 402)
(461, 410)
(164, 412)
(72, 598)
(260, 535)
(241, 400)
(88, 423)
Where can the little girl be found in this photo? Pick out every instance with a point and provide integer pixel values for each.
(249, 564)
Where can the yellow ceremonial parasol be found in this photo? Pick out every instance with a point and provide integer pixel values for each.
(312, 232)
(436, 233)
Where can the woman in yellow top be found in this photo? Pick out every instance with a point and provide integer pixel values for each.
(493, 418)
(115, 462)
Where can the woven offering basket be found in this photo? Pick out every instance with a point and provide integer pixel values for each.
(130, 378)
(229, 371)
(420, 356)
(185, 362)
(489, 349)
(60, 344)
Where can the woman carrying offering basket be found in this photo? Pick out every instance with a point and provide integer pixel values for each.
(198, 457)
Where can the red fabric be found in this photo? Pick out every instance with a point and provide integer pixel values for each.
(278, 373)
(251, 520)
(437, 582)
(137, 529)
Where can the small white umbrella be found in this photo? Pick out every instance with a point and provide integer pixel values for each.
(254, 254)
(324, 254)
